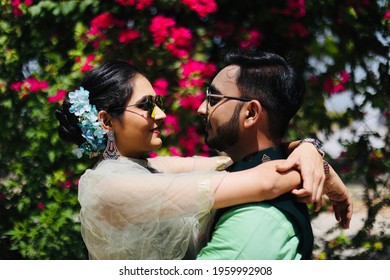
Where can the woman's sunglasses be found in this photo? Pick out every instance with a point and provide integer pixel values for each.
(149, 103)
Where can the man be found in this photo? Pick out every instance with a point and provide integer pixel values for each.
(248, 107)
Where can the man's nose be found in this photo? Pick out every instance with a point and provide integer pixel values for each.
(202, 110)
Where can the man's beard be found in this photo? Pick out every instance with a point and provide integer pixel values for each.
(227, 134)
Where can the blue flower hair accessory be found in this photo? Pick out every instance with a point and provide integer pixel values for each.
(91, 128)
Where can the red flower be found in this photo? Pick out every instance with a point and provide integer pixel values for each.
(103, 21)
(333, 86)
(60, 96)
(192, 66)
(139, 4)
(159, 28)
(175, 151)
(192, 101)
(387, 15)
(295, 8)
(16, 86)
(36, 85)
(252, 38)
(201, 7)
(87, 66)
(171, 124)
(300, 29)
(191, 140)
(41, 206)
(127, 36)
(161, 86)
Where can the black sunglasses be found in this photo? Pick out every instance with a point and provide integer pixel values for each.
(213, 98)
(148, 103)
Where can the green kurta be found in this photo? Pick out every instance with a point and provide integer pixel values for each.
(273, 230)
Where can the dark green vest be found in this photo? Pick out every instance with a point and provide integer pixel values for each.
(286, 203)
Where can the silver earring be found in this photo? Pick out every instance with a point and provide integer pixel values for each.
(111, 151)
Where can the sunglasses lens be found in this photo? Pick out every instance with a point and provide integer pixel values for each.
(160, 102)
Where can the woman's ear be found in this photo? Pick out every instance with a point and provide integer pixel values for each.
(105, 118)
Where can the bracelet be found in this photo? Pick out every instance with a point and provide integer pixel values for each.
(326, 168)
(317, 144)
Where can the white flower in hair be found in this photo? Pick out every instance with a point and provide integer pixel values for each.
(91, 128)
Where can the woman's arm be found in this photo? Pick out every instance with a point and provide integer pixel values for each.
(189, 164)
(145, 197)
(260, 183)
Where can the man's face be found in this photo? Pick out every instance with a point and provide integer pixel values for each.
(222, 114)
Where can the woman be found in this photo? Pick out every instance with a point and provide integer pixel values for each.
(137, 208)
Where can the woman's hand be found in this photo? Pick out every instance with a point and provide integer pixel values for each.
(339, 197)
(308, 161)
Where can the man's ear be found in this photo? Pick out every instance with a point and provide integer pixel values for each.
(253, 112)
(105, 118)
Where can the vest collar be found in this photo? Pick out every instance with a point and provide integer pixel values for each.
(257, 158)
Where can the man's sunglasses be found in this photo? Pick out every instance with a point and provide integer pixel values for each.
(148, 103)
(213, 98)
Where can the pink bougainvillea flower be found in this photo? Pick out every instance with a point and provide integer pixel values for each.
(139, 4)
(333, 86)
(35, 85)
(192, 101)
(31, 84)
(175, 151)
(201, 7)
(192, 66)
(127, 36)
(161, 87)
(16, 86)
(190, 141)
(102, 22)
(87, 66)
(387, 15)
(159, 27)
(40, 206)
(344, 76)
(180, 42)
(60, 96)
(152, 154)
(299, 28)
(17, 11)
(252, 38)
(295, 8)
(171, 124)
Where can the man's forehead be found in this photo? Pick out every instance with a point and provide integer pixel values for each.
(228, 74)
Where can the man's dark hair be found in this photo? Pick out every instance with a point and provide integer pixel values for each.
(270, 79)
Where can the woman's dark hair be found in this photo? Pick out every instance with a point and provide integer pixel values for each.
(110, 87)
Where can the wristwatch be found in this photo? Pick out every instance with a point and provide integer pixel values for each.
(317, 143)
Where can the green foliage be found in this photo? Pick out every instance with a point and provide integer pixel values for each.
(56, 42)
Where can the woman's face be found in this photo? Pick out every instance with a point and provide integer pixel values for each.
(138, 132)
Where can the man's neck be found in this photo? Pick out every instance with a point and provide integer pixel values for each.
(238, 152)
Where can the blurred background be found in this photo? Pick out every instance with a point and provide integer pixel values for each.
(340, 47)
